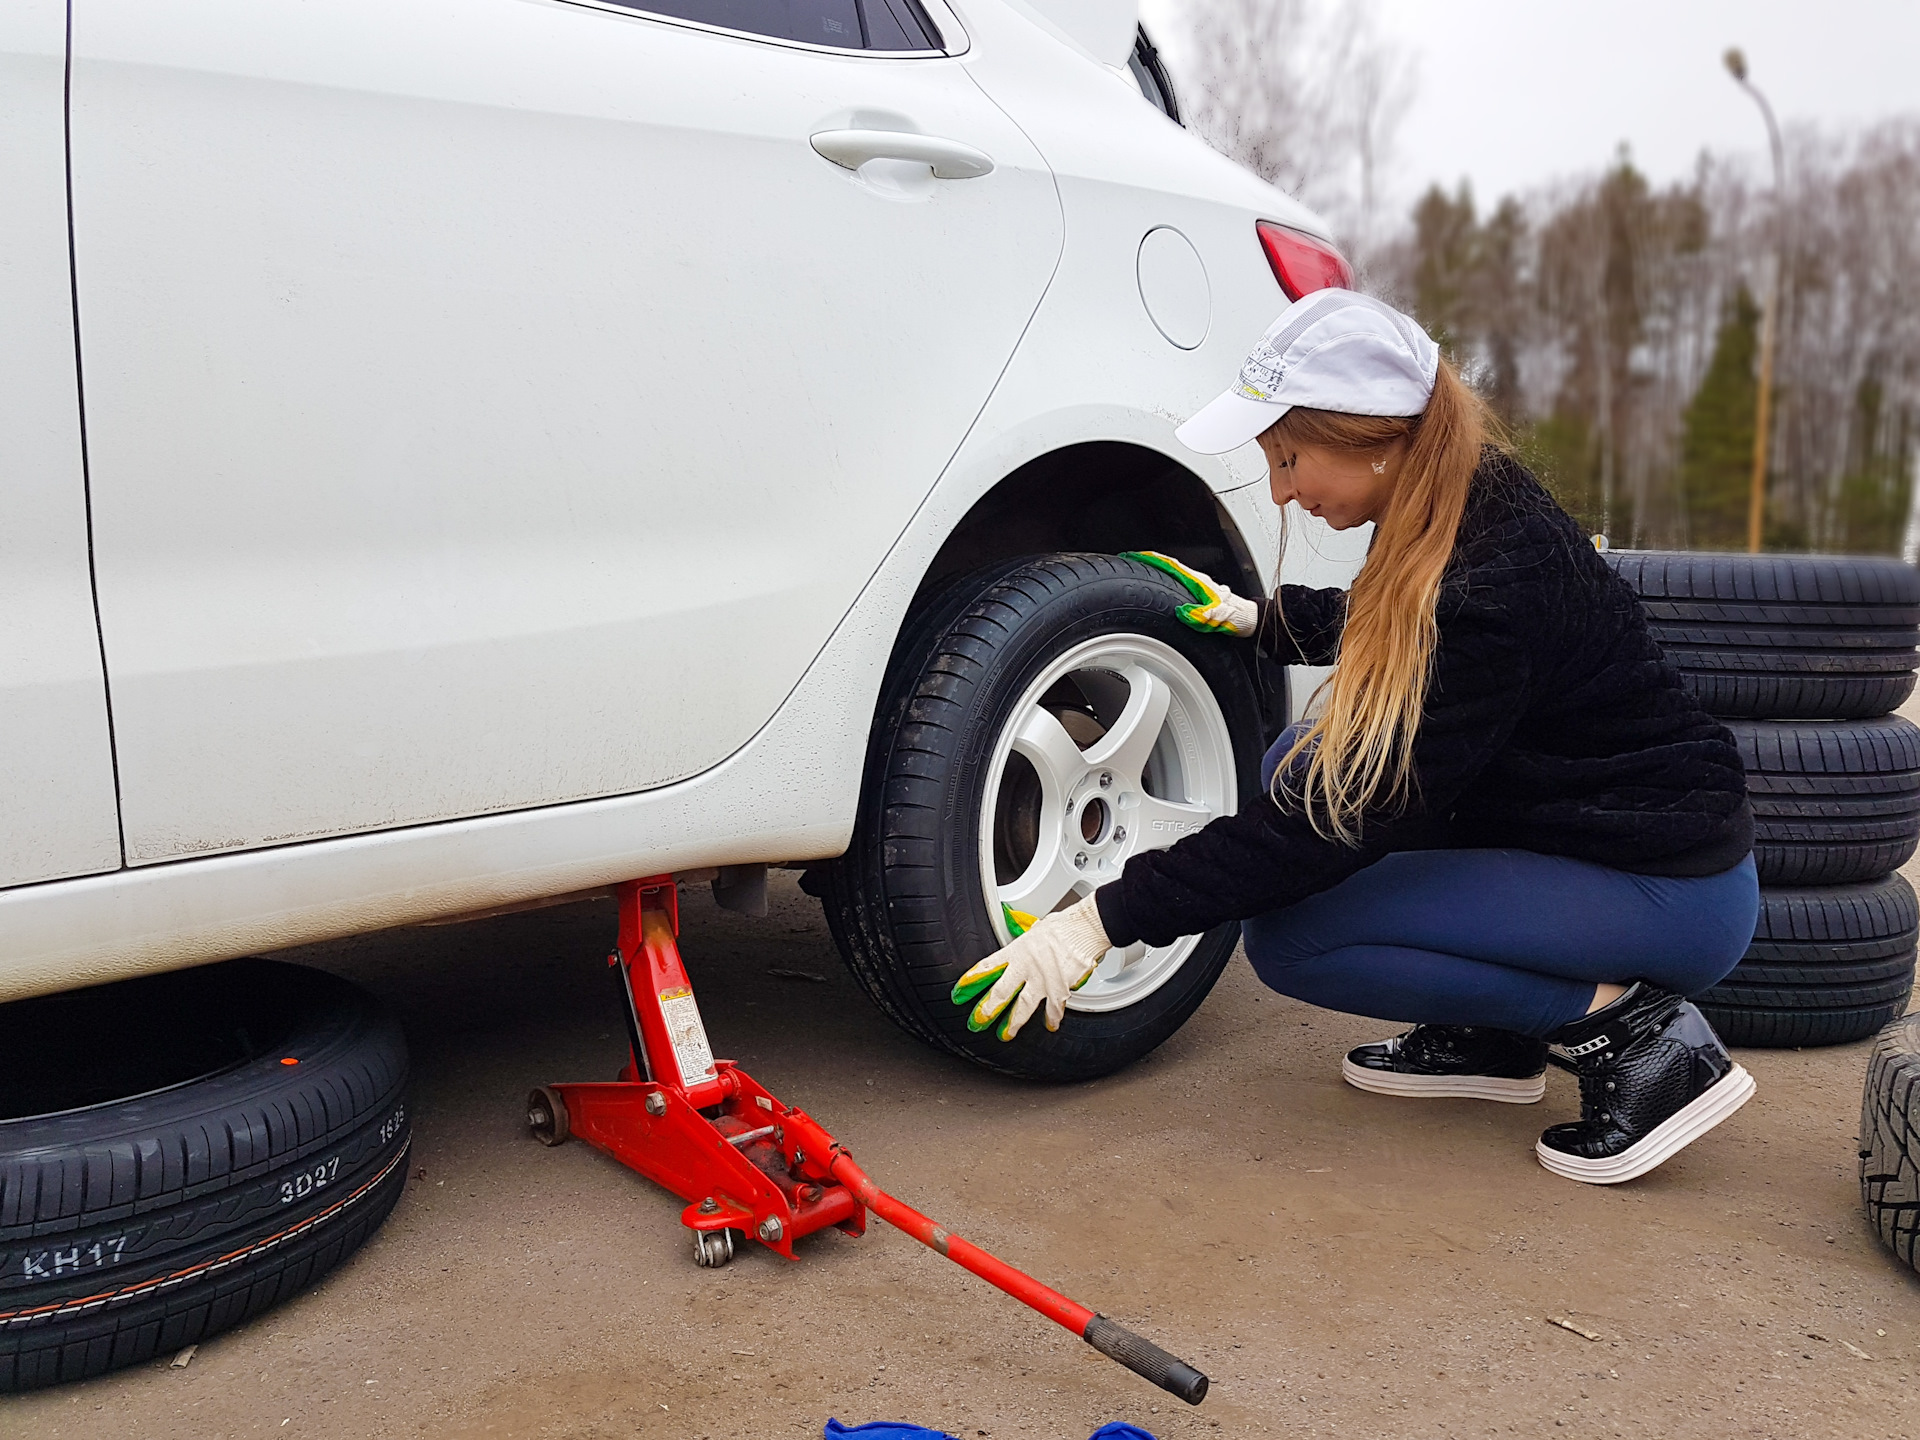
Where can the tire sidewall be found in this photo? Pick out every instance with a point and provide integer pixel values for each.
(1130, 600)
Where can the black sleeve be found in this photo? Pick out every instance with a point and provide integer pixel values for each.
(1303, 627)
(1268, 856)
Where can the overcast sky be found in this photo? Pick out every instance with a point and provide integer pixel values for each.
(1515, 92)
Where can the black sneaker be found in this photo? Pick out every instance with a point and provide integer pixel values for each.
(1653, 1079)
(1452, 1062)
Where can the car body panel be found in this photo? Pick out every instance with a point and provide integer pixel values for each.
(1093, 347)
(496, 404)
(56, 760)
(1092, 366)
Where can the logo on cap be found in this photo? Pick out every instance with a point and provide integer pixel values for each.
(1262, 373)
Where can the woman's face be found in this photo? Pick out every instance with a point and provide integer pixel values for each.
(1345, 488)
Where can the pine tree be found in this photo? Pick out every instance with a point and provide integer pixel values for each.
(1446, 243)
(1877, 486)
(1716, 436)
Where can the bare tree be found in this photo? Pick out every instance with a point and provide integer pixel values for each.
(1307, 94)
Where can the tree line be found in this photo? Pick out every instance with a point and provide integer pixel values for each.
(1613, 324)
(1614, 327)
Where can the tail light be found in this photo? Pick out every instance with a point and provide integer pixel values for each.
(1301, 263)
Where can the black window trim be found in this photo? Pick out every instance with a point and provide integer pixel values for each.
(1147, 55)
(945, 23)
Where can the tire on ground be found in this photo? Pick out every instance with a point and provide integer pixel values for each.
(1890, 1138)
(907, 904)
(1828, 965)
(179, 1152)
(1833, 800)
(1809, 637)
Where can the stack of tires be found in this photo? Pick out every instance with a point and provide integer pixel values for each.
(1804, 657)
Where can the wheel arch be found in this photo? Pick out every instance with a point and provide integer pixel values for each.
(1100, 495)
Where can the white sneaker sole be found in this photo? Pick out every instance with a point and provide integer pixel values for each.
(1445, 1087)
(1663, 1142)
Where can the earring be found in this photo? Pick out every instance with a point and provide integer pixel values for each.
(1379, 467)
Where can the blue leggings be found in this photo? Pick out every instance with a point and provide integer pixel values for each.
(1504, 938)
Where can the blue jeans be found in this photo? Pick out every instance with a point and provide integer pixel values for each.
(1505, 938)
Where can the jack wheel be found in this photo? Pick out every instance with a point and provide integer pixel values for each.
(712, 1248)
(547, 1116)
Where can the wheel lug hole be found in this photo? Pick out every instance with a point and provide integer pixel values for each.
(1119, 832)
(1080, 861)
(1106, 779)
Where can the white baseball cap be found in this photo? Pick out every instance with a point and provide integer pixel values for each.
(1329, 350)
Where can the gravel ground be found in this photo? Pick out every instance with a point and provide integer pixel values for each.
(1338, 1263)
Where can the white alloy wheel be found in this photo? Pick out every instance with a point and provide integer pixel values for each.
(1117, 746)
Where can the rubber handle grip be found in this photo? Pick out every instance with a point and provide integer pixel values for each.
(1145, 1359)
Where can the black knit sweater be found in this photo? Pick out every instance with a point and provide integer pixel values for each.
(1552, 724)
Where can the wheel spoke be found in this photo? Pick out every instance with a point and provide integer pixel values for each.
(1046, 882)
(1130, 739)
(1052, 753)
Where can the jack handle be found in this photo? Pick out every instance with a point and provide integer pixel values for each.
(1109, 1337)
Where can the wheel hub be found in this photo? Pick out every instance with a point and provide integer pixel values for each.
(1118, 746)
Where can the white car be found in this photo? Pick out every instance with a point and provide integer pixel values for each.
(460, 453)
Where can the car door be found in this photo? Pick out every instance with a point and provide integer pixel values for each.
(56, 761)
(495, 403)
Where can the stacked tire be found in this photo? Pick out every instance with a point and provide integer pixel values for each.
(182, 1151)
(1804, 658)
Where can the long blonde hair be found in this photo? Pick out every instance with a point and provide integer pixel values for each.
(1360, 748)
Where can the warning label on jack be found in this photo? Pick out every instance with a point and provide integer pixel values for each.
(688, 1035)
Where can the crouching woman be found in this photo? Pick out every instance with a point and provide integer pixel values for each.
(1508, 822)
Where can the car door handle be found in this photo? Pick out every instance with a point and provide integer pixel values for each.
(949, 159)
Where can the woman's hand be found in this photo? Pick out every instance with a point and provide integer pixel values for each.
(1053, 957)
(1214, 606)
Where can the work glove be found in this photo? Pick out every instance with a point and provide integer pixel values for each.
(1214, 607)
(1051, 957)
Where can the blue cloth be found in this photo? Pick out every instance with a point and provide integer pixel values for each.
(1505, 938)
(888, 1430)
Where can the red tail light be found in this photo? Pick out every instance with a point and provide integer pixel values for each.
(1301, 263)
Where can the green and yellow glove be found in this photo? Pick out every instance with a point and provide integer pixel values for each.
(1047, 959)
(1214, 606)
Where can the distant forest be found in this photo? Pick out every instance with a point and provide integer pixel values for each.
(1613, 325)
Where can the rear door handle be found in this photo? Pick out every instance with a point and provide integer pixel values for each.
(949, 159)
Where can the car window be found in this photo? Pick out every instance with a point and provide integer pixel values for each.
(842, 24)
(1150, 74)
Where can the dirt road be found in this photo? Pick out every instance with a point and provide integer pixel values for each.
(1339, 1263)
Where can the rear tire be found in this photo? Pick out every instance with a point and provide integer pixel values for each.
(1828, 965)
(1039, 656)
(1804, 637)
(1833, 800)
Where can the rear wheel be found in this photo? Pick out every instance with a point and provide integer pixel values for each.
(1041, 725)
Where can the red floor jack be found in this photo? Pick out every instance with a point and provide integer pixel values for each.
(706, 1131)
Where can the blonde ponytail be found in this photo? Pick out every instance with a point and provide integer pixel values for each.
(1359, 751)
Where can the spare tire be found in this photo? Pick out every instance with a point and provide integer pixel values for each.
(1785, 637)
(1890, 1138)
(1833, 800)
(1828, 965)
(179, 1152)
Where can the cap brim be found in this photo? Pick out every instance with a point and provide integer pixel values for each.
(1227, 423)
